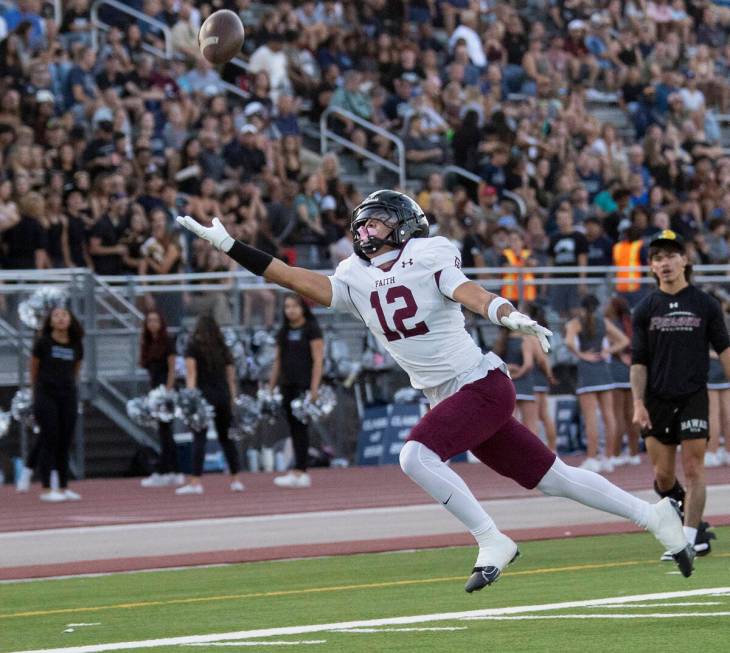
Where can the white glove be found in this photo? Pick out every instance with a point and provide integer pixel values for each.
(520, 322)
(216, 235)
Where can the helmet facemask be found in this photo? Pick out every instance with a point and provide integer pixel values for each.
(364, 241)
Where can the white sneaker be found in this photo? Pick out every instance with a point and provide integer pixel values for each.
(155, 480)
(617, 461)
(237, 486)
(712, 459)
(591, 465)
(633, 460)
(492, 559)
(606, 465)
(71, 495)
(292, 480)
(53, 496)
(22, 484)
(190, 488)
(175, 479)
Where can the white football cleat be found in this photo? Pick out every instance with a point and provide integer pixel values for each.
(665, 524)
(492, 559)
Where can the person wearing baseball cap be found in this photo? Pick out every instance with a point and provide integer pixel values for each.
(673, 329)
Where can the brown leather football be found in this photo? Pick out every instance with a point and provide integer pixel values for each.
(221, 36)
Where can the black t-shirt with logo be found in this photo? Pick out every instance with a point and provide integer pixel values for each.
(565, 248)
(57, 364)
(295, 354)
(671, 337)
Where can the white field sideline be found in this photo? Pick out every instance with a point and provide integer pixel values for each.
(390, 621)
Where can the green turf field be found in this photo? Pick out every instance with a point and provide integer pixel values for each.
(412, 595)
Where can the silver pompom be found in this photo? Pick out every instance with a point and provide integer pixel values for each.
(247, 414)
(33, 310)
(306, 410)
(5, 418)
(21, 408)
(193, 409)
(138, 410)
(161, 403)
(237, 349)
(269, 403)
(263, 345)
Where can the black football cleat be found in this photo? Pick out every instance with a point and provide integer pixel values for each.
(685, 560)
(481, 577)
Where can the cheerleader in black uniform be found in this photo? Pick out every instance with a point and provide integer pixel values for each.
(209, 367)
(157, 356)
(54, 371)
(297, 369)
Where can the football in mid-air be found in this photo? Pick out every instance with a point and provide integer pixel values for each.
(221, 36)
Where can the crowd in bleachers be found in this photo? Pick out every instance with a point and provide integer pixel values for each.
(101, 147)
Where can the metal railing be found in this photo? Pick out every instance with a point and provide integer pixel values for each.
(327, 134)
(169, 47)
(476, 179)
(119, 6)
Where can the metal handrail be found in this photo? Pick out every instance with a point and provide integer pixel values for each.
(473, 177)
(169, 50)
(325, 134)
(166, 31)
(120, 298)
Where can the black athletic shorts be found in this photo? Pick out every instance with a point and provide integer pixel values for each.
(674, 420)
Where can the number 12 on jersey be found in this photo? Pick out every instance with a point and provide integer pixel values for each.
(406, 311)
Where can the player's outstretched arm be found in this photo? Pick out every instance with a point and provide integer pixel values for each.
(313, 285)
(500, 311)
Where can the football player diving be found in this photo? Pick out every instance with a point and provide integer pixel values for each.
(408, 289)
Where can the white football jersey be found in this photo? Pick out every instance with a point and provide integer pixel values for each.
(408, 312)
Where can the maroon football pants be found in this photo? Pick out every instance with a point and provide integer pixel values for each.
(478, 418)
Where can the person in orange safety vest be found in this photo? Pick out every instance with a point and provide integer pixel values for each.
(518, 286)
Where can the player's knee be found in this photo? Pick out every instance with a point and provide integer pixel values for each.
(550, 484)
(408, 457)
(415, 457)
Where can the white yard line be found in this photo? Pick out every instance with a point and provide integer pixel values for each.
(397, 621)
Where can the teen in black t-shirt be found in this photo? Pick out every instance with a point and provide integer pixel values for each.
(297, 368)
(673, 328)
(54, 370)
